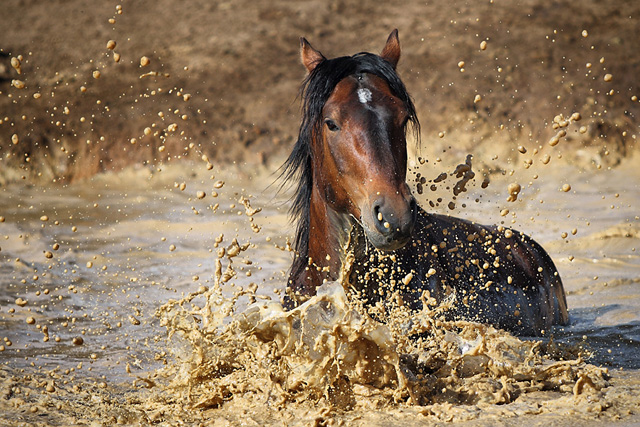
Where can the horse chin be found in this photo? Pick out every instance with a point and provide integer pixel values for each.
(386, 243)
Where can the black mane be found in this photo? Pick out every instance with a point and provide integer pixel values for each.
(315, 92)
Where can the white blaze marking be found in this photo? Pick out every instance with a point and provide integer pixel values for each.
(364, 95)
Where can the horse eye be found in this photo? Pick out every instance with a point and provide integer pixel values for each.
(331, 125)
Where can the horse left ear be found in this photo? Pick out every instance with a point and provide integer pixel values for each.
(391, 51)
(309, 56)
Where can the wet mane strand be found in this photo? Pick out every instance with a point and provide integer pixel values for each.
(315, 92)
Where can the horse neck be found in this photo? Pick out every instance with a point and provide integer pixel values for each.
(330, 238)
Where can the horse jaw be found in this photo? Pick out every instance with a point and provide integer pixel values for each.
(384, 243)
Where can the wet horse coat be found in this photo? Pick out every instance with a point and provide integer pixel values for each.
(350, 163)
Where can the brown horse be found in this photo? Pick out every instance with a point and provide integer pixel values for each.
(350, 163)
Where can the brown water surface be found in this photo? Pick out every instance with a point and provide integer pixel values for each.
(86, 267)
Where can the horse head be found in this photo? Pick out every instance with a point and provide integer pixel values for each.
(358, 146)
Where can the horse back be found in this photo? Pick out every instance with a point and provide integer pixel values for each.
(496, 275)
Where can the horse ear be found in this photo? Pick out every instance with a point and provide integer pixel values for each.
(310, 57)
(391, 50)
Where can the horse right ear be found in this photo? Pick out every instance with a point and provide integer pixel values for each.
(310, 57)
(391, 50)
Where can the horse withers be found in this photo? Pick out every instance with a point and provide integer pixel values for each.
(352, 200)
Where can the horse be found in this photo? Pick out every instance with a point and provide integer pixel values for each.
(353, 206)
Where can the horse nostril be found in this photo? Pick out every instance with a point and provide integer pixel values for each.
(381, 222)
(377, 213)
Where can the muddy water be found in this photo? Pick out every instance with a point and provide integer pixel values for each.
(592, 233)
(96, 275)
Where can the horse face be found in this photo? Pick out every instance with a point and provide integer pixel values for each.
(361, 161)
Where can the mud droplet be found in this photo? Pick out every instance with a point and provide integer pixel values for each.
(585, 33)
(144, 61)
(111, 44)
(96, 74)
(18, 84)
(608, 77)
(15, 63)
(15, 139)
(483, 45)
(477, 99)
(522, 149)
(514, 190)
(407, 279)
(78, 340)
(200, 194)
(566, 187)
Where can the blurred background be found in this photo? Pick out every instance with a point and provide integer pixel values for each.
(221, 78)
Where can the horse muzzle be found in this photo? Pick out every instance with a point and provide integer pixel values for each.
(390, 222)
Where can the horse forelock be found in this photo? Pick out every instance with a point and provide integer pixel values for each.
(315, 91)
